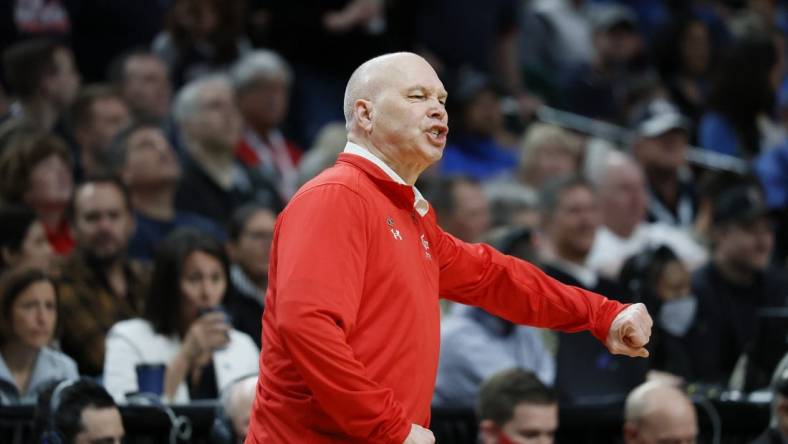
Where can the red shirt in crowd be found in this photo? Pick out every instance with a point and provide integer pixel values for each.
(351, 330)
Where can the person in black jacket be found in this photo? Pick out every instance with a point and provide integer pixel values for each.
(731, 289)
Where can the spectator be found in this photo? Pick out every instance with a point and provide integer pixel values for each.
(181, 326)
(461, 206)
(78, 412)
(734, 285)
(741, 98)
(214, 182)
(568, 29)
(262, 82)
(27, 326)
(600, 89)
(657, 413)
(251, 232)
(41, 73)
(141, 78)
(623, 196)
(547, 152)
(515, 407)
(149, 167)
(777, 432)
(660, 147)
(237, 407)
(97, 115)
(35, 169)
(97, 283)
(320, 58)
(659, 279)
(477, 146)
(23, 240)
(200, 37)
(684, 54)
(570, 219)
(476, 344)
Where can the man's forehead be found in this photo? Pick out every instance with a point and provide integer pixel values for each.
(407, 73)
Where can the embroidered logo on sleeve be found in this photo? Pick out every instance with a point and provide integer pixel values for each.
(426, 244)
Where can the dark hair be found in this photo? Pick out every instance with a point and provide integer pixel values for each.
(73, 400)
(242, 216)
(162, 308)
(553, 190)
(22, 154)
(12, 284)
(81, 113)
(741, 89)
(501, 393)
(27, 62)
(641, 273)
(116, 157)
(667, 45)
(16, 220)
(230, 26)
(104, 179)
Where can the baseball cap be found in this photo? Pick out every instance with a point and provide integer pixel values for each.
(658, 117)
(743, 203)
(607, 17)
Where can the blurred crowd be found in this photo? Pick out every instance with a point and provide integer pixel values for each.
(147, 146)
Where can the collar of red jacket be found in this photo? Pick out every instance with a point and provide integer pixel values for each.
(402, 195)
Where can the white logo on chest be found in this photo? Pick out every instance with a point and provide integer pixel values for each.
(396, 234)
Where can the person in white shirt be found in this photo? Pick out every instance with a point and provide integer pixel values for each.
(624, 232)
(182, 327)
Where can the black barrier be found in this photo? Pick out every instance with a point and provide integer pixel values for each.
(588, 424)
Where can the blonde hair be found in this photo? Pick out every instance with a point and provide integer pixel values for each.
(540, 136)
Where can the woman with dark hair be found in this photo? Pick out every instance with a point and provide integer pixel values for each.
(741, 99)
(28, 316)
(202, 36)
(23, 240)
(183, 328)
(661, 281)
(35, 170)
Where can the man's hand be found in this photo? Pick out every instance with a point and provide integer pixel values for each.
(630, 331)
(419, 435)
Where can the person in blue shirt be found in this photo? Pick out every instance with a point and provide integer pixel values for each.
(148, 166)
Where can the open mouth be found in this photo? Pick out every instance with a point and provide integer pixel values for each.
(438, 133)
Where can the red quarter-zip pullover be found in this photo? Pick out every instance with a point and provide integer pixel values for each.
(351, 328)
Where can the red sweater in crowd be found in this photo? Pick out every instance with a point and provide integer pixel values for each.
(351, 330)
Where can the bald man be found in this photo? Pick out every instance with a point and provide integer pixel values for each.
(657, 413)
(351, 327)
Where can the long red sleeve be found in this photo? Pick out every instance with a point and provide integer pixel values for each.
(477, 274)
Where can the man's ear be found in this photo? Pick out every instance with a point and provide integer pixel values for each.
(488, 432)
(363, 111)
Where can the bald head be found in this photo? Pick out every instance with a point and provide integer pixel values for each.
(656, 412)
(372, 77)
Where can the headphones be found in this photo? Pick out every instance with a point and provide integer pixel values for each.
(51, 434)
(222, 429)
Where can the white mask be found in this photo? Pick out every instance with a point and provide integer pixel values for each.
(676, 316)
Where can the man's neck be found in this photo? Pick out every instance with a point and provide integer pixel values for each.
(115, 274)
(263, 132)
(734, 273)
(664, 184)
(409, 172)
(155, 202)
(216, 162)
(40, 113)
(622, 230)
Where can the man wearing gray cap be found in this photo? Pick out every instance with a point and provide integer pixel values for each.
(660, 146)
